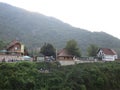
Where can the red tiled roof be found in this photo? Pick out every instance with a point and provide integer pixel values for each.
(108, 51)
(64, 52)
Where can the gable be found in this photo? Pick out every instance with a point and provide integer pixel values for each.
(13, 44)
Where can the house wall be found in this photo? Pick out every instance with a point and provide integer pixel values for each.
(65, 58)
(116, 56)
(100, 53)
(108, 58)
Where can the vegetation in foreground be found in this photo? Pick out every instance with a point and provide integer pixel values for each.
(51, 76)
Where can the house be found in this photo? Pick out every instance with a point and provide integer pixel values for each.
(64, 55)
(107, 54)
(15, 48)
(14, 51)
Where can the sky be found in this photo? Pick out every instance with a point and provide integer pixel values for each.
(93, 15)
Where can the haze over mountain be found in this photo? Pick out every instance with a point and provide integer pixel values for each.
(35, 29)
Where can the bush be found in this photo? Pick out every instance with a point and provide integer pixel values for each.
(87, 76)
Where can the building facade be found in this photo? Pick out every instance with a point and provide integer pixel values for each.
(107, 54)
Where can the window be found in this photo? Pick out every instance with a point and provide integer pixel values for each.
(16, 48)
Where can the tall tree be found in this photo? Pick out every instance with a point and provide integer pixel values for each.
(92, 50)
(72, 48)
(48, 50)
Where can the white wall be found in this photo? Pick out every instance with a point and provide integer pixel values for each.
(64, 63)
(109, 58)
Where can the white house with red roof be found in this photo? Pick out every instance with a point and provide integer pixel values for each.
(107, 54)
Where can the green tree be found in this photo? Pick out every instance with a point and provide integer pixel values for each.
(92, 50)
(72, 48)
(2, 44)
(48, 50)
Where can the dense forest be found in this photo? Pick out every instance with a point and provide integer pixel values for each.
(34, 29)
(52, 76)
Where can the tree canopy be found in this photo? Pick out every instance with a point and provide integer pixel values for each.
(2, 44)
(87, 76)
(92, 50)
(48, 50)
(72, 48)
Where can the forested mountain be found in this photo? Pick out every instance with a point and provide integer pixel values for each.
(35, 29)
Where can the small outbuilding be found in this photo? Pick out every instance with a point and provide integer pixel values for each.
(64, 55)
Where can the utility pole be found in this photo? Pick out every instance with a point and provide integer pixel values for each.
(56, 53)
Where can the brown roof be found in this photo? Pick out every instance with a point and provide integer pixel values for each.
(13, 43)
(64, 52)
(108, 51)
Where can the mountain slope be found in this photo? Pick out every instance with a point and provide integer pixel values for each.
(35, 29)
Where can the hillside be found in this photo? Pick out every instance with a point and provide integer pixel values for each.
(35, 29)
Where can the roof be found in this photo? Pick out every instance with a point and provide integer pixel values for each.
(13, 43)
(64, 53)
(108, 51)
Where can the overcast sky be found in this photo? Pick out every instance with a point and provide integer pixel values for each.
(93, 15)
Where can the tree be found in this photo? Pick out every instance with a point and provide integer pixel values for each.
(92, 50)
(48, 50)
(2, 44)
(72, 48)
